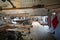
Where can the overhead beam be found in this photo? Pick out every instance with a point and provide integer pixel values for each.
(53, 6)
(32, 7)
(11, 3)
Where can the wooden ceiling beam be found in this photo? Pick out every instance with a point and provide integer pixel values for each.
(32, 7)
(17, 8)
(52, 6)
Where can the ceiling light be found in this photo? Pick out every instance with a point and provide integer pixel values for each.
(54, 13)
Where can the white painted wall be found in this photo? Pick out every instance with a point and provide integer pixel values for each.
(57, 30)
